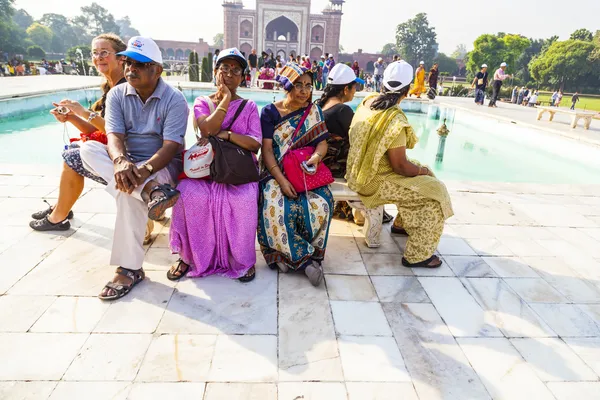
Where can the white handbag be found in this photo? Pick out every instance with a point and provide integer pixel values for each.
(197, 160)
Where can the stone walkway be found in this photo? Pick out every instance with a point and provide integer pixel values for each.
(514, 312)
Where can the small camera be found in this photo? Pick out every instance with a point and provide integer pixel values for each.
(62, 110)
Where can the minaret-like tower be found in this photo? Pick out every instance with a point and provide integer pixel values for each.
(333, 13)
(231, 32)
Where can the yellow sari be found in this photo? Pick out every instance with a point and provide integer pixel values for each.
(423, 201)
(419, 86)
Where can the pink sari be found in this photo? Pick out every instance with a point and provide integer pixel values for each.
(213, 227)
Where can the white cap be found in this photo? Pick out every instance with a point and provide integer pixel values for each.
(322, 56)
(142, 49)
(331, 56)
(484, 66)
(380, 59)
(422, 62)
(398, 71)
(503, 64)
(341, 74)
(232, 54)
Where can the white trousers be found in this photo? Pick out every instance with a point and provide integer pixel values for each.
(132, 212)
(253, 76)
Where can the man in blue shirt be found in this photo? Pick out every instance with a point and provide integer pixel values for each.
(328, 65)
(146, 120)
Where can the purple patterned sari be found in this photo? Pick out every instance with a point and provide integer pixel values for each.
(213, 228)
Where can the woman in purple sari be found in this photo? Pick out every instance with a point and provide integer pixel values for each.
(213, 226)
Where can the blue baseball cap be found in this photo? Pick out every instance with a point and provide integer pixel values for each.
(232, 54)
(142, 49)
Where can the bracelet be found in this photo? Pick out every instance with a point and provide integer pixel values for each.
(92, 116)
(274, 166)
(222, 109)
(117, 158)
(229, 136)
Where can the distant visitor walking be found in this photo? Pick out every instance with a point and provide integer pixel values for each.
(480, 83)
(574, 100)
(499, 77)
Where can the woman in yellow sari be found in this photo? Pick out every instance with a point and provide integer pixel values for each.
(419, 81)
(380, 173)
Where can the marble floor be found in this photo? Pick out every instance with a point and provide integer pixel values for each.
(514, 312)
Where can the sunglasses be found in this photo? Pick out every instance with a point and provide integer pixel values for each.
(226, 69)
(138, 65)
(101, 54)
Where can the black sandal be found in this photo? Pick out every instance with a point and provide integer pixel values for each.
(44, 224)
(42, 214)
(423, 264)
(387, 218)
(182, 271)
(136, 276)
(250, 275)
(399, 231)
(157, 206)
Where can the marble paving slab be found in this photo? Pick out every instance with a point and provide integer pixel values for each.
(509, 313)
(502, 370)
(308, 348)
(437, 365)
(457, 307)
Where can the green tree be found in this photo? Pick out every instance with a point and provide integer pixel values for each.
(206, 67)
(416, 41)
(193, 67)
(219, 40)
(127, 31)
(446, 64)
(40, 35)
(567, 64)
(460, 52)
(582, 34)
(36, 51)
(22, 18)
(64, 35)
(495, 49)
(389, 50)
(99, 20)
(6, 9)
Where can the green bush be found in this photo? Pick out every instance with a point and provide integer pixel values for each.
(36, 51)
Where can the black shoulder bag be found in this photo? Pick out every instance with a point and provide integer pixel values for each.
(232, 164)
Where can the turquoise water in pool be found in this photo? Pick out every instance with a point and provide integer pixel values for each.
(477, 149)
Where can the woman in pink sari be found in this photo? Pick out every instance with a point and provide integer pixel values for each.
(213, 227)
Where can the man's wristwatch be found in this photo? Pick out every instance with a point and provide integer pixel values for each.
(149, 167)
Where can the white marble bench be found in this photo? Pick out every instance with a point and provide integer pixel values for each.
(575, 115)
(371, 218)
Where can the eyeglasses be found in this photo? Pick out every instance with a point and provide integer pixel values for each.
(299, 87)
(101, 54)
(138, 65)
(226, 69)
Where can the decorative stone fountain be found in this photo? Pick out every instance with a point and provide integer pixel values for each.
(443, 131)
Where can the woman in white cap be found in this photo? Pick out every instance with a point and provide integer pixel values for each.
(379, 171)
(419, 81)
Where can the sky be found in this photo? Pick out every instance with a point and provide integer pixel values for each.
(366, 24)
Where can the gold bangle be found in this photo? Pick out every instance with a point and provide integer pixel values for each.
(222, 109)
(274, 166)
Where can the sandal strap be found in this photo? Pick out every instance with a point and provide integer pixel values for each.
(182, 271)
(117, 287)
(164, 188)
(135, 275)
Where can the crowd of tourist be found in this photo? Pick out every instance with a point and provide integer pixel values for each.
(19, 67)
(270, 173)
